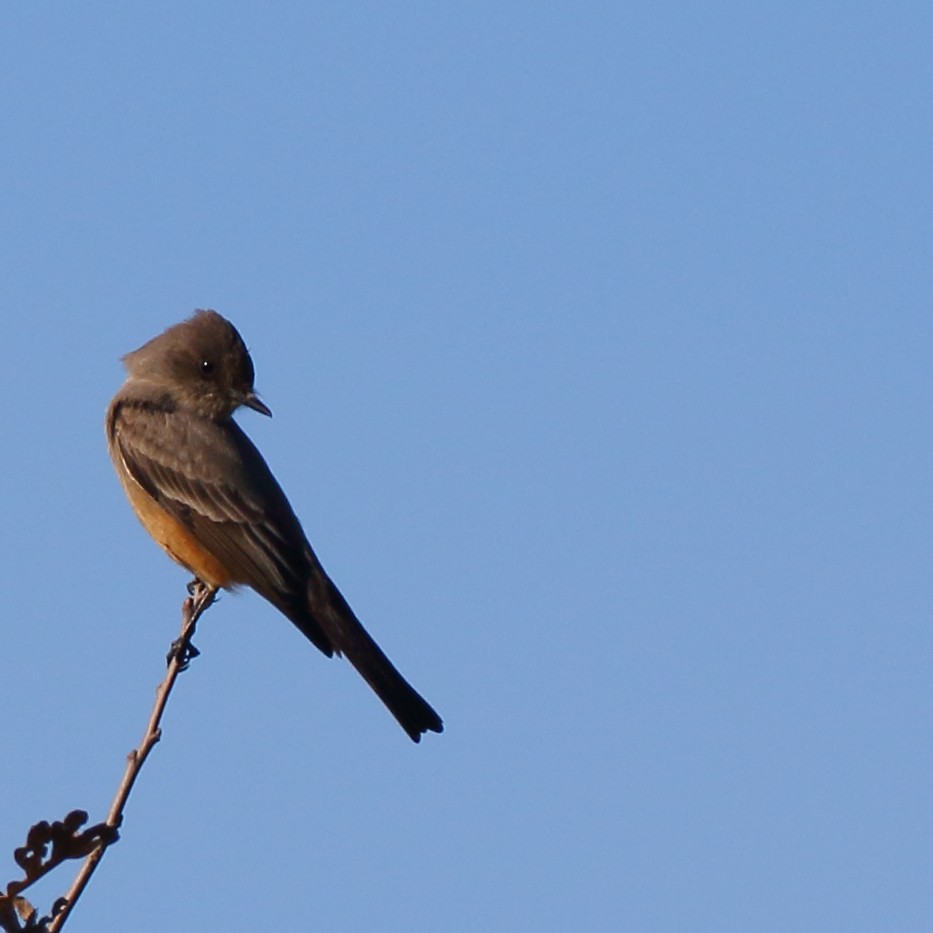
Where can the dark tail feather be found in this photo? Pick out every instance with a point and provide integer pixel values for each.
(331, 614)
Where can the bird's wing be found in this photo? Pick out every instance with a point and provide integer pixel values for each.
(211, 478)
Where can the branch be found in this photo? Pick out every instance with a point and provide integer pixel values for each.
(66, 842)
(37, 861)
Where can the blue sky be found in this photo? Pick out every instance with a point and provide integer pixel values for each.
(598, 338)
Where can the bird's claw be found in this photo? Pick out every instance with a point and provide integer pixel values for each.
(182, 651)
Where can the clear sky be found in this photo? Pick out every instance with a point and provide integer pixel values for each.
(599, 341)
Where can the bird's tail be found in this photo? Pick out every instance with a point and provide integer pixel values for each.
(331, 615)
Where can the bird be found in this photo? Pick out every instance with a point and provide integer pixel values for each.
(203, 491)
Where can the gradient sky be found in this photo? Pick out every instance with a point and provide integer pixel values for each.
(599, 341)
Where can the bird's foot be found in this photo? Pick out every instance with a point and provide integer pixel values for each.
(183, 652)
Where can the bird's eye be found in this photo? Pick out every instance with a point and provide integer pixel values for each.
(207, 367)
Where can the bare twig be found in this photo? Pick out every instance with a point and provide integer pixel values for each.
(202, 596)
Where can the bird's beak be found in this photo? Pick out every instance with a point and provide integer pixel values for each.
(252, 400)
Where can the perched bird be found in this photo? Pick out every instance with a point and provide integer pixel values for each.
(205, 494)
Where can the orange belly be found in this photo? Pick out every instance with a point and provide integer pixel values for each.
(174, 538)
